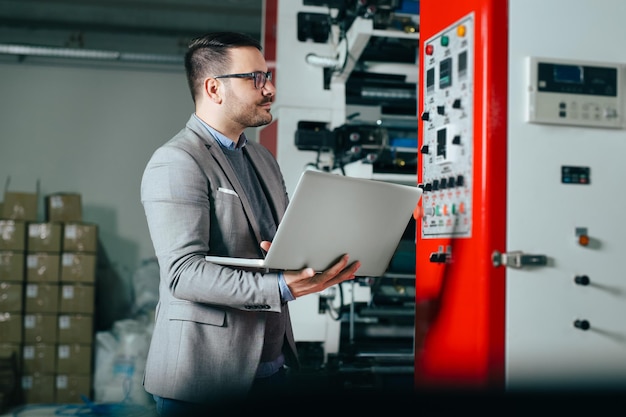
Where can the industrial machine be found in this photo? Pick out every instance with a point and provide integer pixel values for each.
(346, 78)
(521, 137)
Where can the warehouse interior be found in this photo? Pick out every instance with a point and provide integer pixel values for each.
(480, 302)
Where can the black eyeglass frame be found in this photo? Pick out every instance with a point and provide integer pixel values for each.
(256, 75)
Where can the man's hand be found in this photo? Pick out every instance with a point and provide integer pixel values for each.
(307, 281)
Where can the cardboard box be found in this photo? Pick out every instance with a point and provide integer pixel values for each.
(40, 328)
(9, 381)
(12, 266)
(41, 298)
(6, 349)
(19, 206)
(43, 267)
(80, 237)
(11, 330)
(39, 358)
(11, 296)
(12, 235)
(74, 359)
(77, 298)
(64, 207)
(75, 328)
(38, 389)
(70, 388)
(78, 267)
(44, 237)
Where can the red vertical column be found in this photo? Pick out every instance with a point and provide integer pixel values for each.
(460, 305)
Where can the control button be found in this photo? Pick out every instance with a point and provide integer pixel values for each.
(424, 149)
(425, 116)
(460, 180)
(428, 187)
(435, 185)
(456, 104)
(451, 182)
(582, 280)
(429, 50)
(456, 140)
(582, 324)
(441, 110)
(443, 184)
(582, 236)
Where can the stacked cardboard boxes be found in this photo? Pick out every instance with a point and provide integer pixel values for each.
(12, 255)
(51, 326)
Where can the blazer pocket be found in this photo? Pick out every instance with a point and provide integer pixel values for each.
(198, 313)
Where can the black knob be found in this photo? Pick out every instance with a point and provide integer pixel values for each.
(424, 149)
(456, 104)
(441, 110)
(425, 116)
(582, 280)
(582, 324)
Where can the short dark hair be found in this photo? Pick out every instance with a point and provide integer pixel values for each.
(209, 55)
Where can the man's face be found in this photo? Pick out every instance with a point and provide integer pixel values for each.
(243, 103)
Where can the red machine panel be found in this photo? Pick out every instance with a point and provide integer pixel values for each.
(460, 296)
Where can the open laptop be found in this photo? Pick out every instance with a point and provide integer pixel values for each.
(330, 215)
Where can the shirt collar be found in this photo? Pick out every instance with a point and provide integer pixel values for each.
(223, 140)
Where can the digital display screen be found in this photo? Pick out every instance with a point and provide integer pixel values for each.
(445, 73)
(573, 74)
(462, 64)
(573, 78)
(441, 143)
(430, 80)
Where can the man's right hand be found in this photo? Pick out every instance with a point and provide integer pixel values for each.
(308, 281)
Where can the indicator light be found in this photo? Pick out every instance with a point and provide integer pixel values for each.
(582, 236)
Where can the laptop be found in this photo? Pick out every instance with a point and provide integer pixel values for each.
(330, 215)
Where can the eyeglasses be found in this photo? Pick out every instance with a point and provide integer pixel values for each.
(259, 77)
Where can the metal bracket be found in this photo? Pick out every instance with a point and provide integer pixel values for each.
(518, 259)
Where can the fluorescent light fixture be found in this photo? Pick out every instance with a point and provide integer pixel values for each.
(54, 52)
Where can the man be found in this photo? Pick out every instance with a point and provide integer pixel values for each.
(221, 333)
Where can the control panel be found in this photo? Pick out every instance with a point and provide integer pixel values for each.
(577, 93)
(447, 131)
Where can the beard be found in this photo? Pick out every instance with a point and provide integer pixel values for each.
(249, 115)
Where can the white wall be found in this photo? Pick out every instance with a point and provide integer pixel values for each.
(90, 129)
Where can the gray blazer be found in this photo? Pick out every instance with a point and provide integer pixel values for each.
(210, 320)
